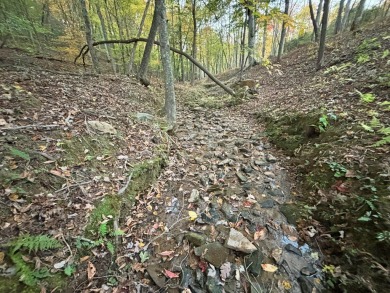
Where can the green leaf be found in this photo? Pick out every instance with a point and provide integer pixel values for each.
(385, 130)
(110, 247)
(366, 127)
(69, 270)
(144, 255)
(385, 53)
(20, 154)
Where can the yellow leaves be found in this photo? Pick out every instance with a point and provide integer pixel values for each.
(269, 268)
(192, 215)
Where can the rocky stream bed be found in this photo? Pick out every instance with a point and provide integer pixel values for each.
(221, 168)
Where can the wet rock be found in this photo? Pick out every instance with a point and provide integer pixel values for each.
(276, 193)
(239, 242)
(228, 212)
(247, 169)
(268, 204)
(253, 262)
(293, 249)
(194, 197)
(196, 239)
(215, 253)
(186, 277)
(305, 284)
(270, 158)
(291, 212)
(308, 271)
(213, 283)
(155, 273)
(241, 176)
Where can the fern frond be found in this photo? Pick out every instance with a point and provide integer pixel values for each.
(103, 230)
(34, 243)
(383, 141)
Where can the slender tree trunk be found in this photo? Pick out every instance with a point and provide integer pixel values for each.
(251, 32)
(346, 14)
(264, 35)
(170, 101)
(314, 21)
(242, 54)
(88, 36)
(283, 33)
(148, 48)
(318, 15)
(358, 16)
(105, 37)
(180, 43)
(194, 39)
(138, 35)
(324, 26)
(339, 18)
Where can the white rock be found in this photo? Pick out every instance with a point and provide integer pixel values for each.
(239, 242)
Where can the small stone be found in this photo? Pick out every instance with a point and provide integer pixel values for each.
(196, 239)
(239, 242)
(224, 162)
(194, 197)
(269, 174)
(293, 249)
(305, 284)
(268, 204)
(261, 163)
(270, 158)
(215, 253)
(253, 262)
(241, 176)
(155, 273)
(213, 283)
(308, 271)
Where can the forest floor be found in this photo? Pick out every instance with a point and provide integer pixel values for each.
(282, 190)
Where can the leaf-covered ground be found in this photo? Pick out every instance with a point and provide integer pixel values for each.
(75, 147)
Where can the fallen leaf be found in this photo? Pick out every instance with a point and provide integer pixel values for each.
(260, 234)
(84, 258)
(286, 285)
(138, 267)
(192, 215)
(202, 265)
(2, 255)
(170, 274)
(91, 270)
(166, 253)
(225, 270)
(269, 268)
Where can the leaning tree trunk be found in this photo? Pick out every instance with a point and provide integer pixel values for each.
(283, 33)
(170, 101)
(358, 16)
(148, 48)
(337, 28)
(132, 54)
(324, 26)
(88, 36)
(314, 21)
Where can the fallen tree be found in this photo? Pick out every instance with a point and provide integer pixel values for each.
(84, 50)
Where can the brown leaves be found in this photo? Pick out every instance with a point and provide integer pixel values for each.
(91, 271)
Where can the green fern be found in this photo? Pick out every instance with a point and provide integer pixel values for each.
(19, 153)
(34, 243)
(26, 274)
(383, 141)
(103, 229)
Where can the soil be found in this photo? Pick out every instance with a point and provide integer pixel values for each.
(298, 165)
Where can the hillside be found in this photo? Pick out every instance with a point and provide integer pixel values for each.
(281, 189)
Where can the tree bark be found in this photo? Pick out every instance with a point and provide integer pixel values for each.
(194, 39)
(319, 11)
(324, 26)
(84, 50)
(314, 21)
(338, 25)
(283, 33)
(264, 35)
(148, 49)
(251, 32)
(105, 36)
(358, 16)
(346, 14)
(170, 101)
(132, 54)
(88, 36)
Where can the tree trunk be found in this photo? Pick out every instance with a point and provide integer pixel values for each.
(283, 33)
(346, 14)
(358, 16)
(180, 44)
(324, 26)
(194, 39)
(88, 36)
(148, 48)
(339, 18)
(318, 15)
(170, 102)
(251, 32)
(132, 54)
(314, 21)
(264, 36)
(105, 36)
